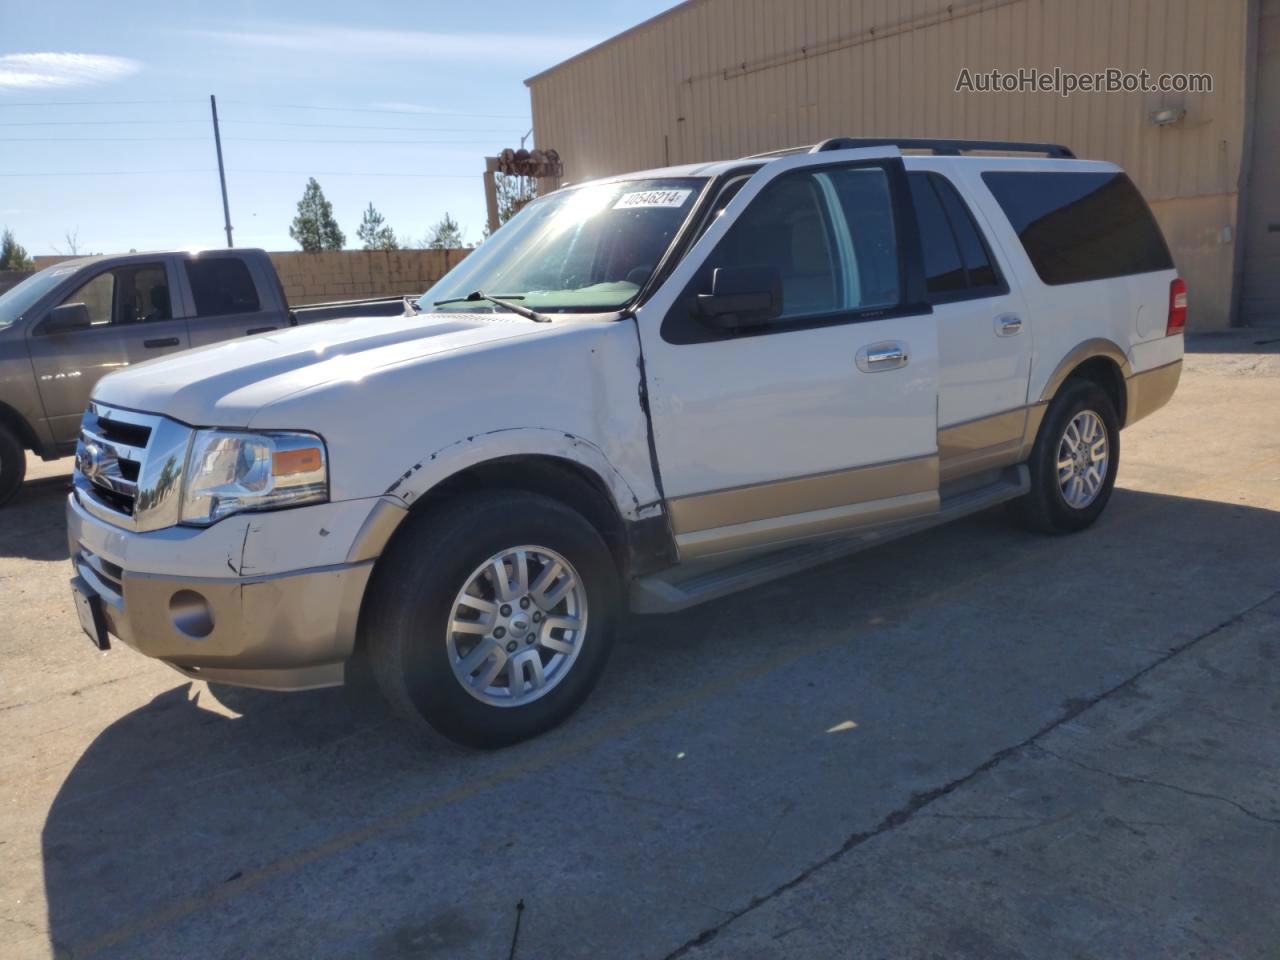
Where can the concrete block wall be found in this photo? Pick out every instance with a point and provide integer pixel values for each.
(11, 278)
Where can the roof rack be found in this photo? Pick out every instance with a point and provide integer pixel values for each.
(951, 148)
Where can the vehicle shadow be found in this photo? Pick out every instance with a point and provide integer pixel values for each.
(205, 789)
(32, 524)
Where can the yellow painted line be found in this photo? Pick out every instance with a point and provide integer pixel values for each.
(186, 906)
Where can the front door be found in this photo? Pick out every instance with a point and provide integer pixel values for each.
(826, 418)
(130, 320)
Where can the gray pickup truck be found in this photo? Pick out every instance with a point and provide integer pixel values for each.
(64, 328)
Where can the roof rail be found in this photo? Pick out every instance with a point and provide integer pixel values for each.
(951, 148)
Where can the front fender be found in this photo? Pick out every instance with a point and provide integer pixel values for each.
(455, 457)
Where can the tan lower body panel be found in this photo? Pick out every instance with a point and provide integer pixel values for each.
(770, 513)
(1150, 390)
(987, 443)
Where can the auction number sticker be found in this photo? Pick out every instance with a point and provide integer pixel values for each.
(652, 198)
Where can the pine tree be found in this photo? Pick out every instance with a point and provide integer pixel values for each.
(13, 256)
(374, 233)
(314, 228)
(513, 193)
(445, 235)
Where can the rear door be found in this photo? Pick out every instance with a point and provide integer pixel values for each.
(984, 339)
(825, 419)
(225, 299)
(131, 320)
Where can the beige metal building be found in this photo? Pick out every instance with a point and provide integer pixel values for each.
(714, 79)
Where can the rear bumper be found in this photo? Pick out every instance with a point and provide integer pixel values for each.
(1150, 390)
(287, 631)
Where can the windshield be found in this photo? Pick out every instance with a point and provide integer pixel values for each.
(16, 301)
(586, 249)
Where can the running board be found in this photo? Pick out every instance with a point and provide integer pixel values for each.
(688, 585)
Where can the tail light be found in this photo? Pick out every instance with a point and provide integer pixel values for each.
(1177, 307)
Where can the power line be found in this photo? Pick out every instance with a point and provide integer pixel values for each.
(364, 126)
(353, 142)
(361, 173)
(265, 123)
(356, 142)
(109, 173)
(86, 123)
(412, 113)
(104, 139)
(91, 103)
(279, 106)
(285, 173)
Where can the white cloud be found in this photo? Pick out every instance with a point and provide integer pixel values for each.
(522, 48)
(44, 71)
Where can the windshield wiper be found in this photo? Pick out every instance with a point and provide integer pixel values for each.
(477, 295)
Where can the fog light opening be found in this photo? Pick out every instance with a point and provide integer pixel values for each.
(191, 614)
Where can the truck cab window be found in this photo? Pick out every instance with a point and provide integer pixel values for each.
(142, 294)
(220, 286)
(97, 296)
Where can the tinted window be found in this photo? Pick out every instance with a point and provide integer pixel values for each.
(143, 294)
(829, 234)
(865, 214)
(977, 258)
(96, 295)
(943, 266)
(221, 285)
(957, 261)
(1080, 226)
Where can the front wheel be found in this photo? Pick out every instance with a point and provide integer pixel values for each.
(1073, 464)
(13, 465)
(491, 618)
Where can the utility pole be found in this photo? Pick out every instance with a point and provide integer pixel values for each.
(222, 176)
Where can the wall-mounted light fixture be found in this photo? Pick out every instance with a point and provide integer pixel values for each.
(1167, 115)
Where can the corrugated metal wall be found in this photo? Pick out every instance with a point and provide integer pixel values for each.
(714, 79)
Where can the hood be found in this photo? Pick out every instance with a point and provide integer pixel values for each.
(226, 383)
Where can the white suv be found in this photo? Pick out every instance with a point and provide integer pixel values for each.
(643, 392)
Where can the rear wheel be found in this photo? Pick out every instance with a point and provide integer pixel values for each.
(1073, 464)
(13, 465)
(491, 618)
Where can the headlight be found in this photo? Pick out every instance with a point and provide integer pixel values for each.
(230, 472)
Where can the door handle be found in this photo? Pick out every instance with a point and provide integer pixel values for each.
(878, 357)
(1008, 324)
(251, 332)
(161, 342)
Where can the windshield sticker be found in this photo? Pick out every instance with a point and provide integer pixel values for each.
(63, 271)
(652, 198)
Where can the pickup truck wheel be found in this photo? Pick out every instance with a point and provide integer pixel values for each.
(491, 618)
(13, 465)
(1074, 461)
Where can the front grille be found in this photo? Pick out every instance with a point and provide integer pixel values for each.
(118, 431)
(128, 466)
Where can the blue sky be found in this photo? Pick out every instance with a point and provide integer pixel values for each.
(104, 111)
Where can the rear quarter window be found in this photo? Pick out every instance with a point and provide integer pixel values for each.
(1080, 226)
(221, 285)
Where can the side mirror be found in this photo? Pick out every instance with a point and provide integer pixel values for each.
(69, 316)
(742, 297)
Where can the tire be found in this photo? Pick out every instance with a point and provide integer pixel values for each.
(1049, 508)
(13, 465)
(412, 607)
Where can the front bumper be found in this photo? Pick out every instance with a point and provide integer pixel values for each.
(283, 631)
